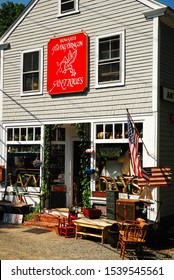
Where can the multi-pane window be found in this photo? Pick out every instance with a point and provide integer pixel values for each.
(31, 71)
(114, 131)
(24, 134)
(68, 6)
(110, 60)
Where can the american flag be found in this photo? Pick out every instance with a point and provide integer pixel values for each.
(133, 145)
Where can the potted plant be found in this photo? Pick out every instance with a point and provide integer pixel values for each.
(83, 131)
(88, 211)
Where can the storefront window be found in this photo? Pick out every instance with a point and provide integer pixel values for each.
(113, 159)
(112, 162)
(23, 158)
(23, 165)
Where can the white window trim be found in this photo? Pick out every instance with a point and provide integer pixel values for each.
(29, 93)
(76, 10)
(121, 82)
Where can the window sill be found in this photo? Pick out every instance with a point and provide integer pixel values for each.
(68, 14)
(104, 85)
(31, 94)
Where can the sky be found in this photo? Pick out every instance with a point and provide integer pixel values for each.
(25, 2)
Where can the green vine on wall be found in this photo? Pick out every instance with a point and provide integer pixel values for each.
(83, 131)
(47, 162)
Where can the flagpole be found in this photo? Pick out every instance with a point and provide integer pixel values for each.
(139, 135)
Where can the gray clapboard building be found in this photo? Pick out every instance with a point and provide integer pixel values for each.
(87, 61)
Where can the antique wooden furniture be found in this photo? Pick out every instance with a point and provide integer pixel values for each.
(93, 227)
(132, 236)
(129, 209)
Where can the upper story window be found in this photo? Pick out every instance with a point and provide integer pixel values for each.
(32, 72)
(67, 7)
(110, 60)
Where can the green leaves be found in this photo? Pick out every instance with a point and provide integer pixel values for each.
(82, 131)
(9, 12)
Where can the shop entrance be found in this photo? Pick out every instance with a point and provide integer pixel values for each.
(77, 192)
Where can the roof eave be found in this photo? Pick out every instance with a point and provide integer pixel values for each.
(155, 13)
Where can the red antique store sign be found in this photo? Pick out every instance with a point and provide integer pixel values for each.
(68, 64)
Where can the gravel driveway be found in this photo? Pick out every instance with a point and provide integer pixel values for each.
(31, 243)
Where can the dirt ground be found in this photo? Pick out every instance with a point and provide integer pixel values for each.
(31, 243)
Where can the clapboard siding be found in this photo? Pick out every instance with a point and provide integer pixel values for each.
(167, 56)
(166, 147)
(95, 18)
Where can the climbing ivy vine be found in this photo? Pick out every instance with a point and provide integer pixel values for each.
(47, 163)
(83, 131)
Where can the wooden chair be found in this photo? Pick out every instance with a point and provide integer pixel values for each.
(67, 228)
(132, 235)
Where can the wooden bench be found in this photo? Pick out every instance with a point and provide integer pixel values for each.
(93, 227)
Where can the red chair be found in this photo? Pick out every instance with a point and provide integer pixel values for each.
(67, 228)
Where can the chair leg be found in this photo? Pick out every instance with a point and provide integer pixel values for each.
(118, 243)
(122, 252)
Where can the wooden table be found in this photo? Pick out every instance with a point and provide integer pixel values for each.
(11, 207)
(93, 227)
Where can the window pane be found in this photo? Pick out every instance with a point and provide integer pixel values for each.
(37, 133)
(139, 127)
(61, 134)
(103, 49)
(16, 134)
(115, 48)
(109, 72)
(31, 81)
(67, 5)
(109, 131)
(99, 131)
(31, 61)
(118, 131)
(30, 133)
(23, 134)
(10, 134)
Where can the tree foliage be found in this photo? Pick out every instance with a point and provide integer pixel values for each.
(9, 12)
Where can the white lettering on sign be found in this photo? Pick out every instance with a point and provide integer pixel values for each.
(63, 47)
(168, 94)
(64, 83)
